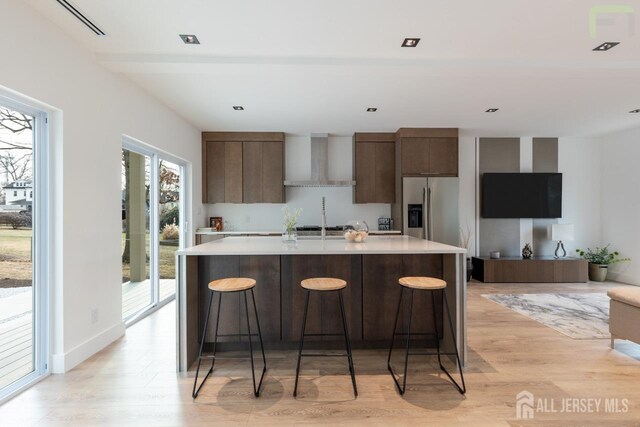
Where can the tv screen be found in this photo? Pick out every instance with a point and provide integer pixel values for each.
(522, 195)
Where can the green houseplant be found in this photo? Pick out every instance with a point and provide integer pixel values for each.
(599, 261)
(289, 233)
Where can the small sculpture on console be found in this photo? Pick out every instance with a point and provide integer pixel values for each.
(527, 252)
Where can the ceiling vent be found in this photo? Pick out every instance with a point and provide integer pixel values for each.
(80, 17)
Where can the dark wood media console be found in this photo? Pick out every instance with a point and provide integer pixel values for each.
(535, 270)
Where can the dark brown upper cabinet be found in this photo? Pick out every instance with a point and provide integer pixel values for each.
(374, 168)
(428, 151)
(243, 167)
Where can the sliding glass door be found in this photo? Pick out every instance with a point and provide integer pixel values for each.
(169, 211)
(23, 309)
(137, 287)
(151, 228)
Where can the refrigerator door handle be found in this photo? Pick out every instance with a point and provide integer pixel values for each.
(424, 214)
(429, 216)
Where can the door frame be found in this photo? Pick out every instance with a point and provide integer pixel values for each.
(155, 154)
(41, 229)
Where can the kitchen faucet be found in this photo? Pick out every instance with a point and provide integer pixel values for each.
(323, 232)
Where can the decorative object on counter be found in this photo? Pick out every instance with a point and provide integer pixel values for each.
(494, 255)
(465, 242)
(216, 223)
(384, 224)
(289, 233)
(599, 261)
(527, 252)
(560, 233)
(356, 231)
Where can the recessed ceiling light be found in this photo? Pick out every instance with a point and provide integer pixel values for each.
(189, 39)
(410, 42)
(606, 46)
(238, 107)
(635, 111)
(372, 110)
(492, 110)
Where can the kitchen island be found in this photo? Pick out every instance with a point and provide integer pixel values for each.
(371, 269)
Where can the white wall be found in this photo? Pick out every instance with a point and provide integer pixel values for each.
(92, 109)
(621, 201)
(580, 164)
(467, 172)
(339, 200)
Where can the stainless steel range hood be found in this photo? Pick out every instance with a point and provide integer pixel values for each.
(319, 166)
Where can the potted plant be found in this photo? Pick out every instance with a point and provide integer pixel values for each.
(289, 233)
(465, 241)
(599, 261)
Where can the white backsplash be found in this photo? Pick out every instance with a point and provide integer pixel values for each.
(339, 200)
(340, 209)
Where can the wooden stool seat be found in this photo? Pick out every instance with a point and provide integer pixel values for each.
(425, 283)
(232, 284)
(323, 284)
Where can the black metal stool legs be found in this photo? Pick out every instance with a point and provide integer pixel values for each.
(304, 324)
(195, 391)
(345, 334)
(348, 344)
(462, 389)
(401, 388)
(256, 390)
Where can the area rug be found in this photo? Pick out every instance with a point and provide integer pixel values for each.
(579, 316)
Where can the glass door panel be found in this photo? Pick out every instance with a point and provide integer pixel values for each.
(169, 239)
(137, 286)
(17, 325)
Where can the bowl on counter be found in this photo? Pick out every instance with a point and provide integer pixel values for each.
(355, 231)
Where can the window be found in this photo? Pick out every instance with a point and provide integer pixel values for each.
(23, 275)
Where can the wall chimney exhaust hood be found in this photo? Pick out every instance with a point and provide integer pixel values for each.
(319, 166)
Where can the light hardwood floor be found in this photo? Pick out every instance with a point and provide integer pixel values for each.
(133, 381)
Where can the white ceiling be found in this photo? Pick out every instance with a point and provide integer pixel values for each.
(300, 66)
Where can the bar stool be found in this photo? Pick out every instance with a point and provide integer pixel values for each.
(325, 284)
(224, 286)
(431, 285)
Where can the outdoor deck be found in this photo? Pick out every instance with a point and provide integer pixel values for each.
(16, 335)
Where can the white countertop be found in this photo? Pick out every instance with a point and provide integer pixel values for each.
(210, 232)
(272, 245)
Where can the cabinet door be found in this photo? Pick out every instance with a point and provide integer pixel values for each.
(385, 173)
(415, 156)
(252, 171)
(214, 171)
(273, 172)
(443, 156)
(324, 311)
(232, 172)
(365, 168)
(381, 292)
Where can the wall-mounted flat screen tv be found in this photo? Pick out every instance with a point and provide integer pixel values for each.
(522, 195)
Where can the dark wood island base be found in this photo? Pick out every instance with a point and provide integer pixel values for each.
(370, 299)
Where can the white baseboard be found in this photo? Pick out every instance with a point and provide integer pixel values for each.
(62, 363)
(623, 278)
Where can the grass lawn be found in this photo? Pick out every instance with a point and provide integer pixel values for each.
(166, 257)
(15, 257)
(16, 266)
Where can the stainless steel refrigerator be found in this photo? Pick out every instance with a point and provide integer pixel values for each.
(430, 209)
